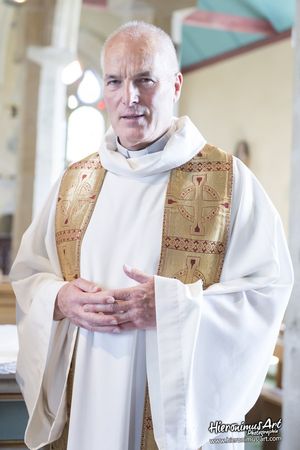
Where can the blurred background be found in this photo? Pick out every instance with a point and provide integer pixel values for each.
(241, 66)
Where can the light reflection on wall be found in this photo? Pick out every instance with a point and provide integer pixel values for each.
(85, 132)
(86, 123)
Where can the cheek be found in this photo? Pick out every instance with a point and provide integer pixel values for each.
(106, 102)
(154, 103)
(112, 112)
(110, 102)
(162, 104)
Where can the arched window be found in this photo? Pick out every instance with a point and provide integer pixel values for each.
(86, 124)
(85, 132)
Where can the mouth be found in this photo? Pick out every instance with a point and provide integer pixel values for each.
(132, 116)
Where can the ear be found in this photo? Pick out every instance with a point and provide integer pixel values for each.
(177, 86)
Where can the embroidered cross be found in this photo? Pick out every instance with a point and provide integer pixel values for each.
(192, 210)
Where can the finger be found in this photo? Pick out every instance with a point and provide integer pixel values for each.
(98, 319)
(86, 286)
(136, 274)
(123, 317)
(97, 308)
(98, 298)
(99, 329)
(120, 294)
(121, 307)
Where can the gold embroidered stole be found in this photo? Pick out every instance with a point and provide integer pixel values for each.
(78, 193)
(196, 218)
(195, 228)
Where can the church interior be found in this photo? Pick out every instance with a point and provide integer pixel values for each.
(240, 61)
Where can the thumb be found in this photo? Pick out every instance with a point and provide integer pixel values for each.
(86, 286)
(136, 274)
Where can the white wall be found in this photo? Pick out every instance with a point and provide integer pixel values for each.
(249, 97)
(10, 98)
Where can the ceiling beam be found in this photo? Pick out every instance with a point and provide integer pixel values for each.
(238, 51)
(99, 3)
(228, 22)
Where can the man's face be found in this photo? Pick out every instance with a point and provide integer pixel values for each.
(139, 90)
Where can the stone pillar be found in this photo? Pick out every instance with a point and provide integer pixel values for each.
(51, 119)
(6, 15)
(291, 374)
(50, 122)
(43, 149)
(37, 19)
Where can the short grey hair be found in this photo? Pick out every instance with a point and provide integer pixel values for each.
(136, 29)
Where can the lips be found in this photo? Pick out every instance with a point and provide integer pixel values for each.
(132, 116)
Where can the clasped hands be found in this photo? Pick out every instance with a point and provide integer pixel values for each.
(109, 311)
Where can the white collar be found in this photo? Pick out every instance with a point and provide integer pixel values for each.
(185, 141)
(156, 146)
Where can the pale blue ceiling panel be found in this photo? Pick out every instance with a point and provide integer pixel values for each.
(237, 7)
(280, 13)
(201, 43)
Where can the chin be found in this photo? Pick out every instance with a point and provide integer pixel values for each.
(133, 141)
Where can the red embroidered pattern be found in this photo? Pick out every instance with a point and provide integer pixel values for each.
(149, 425)
(68, 235)
(195, 246)
(93, 163)
(208, 166)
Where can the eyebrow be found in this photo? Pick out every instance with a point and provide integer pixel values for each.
(144, 74)
(140, 74)
(108, 77)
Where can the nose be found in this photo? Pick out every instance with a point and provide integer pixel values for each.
(130, 94)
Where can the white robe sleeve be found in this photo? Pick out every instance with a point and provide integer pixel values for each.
(45, 346)
(208, 357)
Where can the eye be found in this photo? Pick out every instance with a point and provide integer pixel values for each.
(146, 81)
(113, 82)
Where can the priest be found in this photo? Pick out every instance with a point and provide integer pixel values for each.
(152, 285)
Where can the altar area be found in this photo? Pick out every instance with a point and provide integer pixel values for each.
(13, 413)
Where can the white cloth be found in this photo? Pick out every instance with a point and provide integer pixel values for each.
(152, 148)
(209, 354)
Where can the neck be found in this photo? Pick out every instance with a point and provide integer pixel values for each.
(143, 145)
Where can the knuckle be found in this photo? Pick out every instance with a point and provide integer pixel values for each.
(139, 322)
(136, 296)
(135, 315)
(109, 308)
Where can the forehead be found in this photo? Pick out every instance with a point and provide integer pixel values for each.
(130, 56)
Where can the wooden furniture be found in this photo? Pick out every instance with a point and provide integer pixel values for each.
(13, 414)
(7, 304)
(5, 247)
